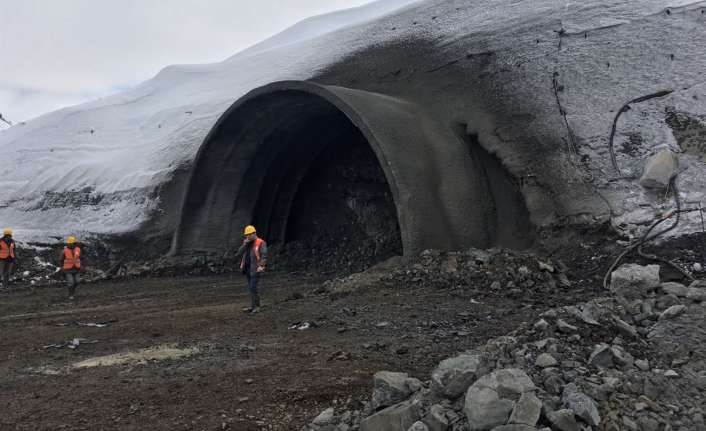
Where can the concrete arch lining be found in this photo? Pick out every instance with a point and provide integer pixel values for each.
(432, 179)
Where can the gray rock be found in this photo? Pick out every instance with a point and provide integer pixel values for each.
(511, 382)
(659, 170)
(697, 294)
(581, 404)
(527, 410)
(647, 424)
(545, 360)
(418, 426)
(625, 328)
(453, 376)
(543, 266)
(673, 288)
(485, 410)
(601, 356)
(489, 401)
(634, 281)
(642, 364)
(629, 424)
(683, 336)
(565, 327)
(541, 325)
(390, 388)
(672, 312)
(479, 256)
(621, 357)
(666, 301)
(325, 417)
(671, 374)
(436, 418)
(514, 427)
(553, 384)
(563, 420)
(394, 418)
(698, 284)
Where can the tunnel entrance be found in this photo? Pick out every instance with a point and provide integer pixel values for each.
(333, 174)
(341, 216)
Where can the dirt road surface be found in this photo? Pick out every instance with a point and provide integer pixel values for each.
(237, 371)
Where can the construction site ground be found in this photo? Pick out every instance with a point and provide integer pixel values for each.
(213, 367)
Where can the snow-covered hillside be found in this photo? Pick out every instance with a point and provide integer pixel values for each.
(538, 83)
(94, 167)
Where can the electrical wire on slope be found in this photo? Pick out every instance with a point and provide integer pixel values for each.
(646, 237)
(623, 109)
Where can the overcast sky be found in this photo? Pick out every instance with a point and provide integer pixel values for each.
(56, 53)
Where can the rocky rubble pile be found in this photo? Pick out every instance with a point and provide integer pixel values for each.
(495, 272)
(633, 361)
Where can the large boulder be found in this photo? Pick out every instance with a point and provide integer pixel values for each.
(436, 418)
(563, 420)
(527, 410)
(581, 404)
(399, 417)
(659, 170)
(634, 281)
(453, 376)
(390, 388)
(491, 400)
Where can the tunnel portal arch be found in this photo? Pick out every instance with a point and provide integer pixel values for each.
(251, 163)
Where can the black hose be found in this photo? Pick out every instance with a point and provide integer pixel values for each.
(646, 237)
(625, 108)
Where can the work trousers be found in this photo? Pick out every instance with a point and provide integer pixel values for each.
(6, 269)
(253, 289)
(73, 279)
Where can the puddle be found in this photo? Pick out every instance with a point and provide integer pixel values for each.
(157, 353)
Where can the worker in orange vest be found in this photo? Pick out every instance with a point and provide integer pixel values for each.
(253, 261)
(7, 257)
(72, 265)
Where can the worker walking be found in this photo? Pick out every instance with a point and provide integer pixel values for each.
(7, 257)
(253, 261)
(72, 265)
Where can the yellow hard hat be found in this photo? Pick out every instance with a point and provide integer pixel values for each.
(249, 230)
(71, 240)
(7, 231)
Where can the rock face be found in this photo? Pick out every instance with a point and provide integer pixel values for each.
(546, 109)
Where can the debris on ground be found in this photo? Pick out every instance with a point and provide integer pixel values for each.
(304, 325)
(72, 344)
(101, 324)
(634, 360)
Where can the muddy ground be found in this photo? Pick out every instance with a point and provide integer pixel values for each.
(251, 372)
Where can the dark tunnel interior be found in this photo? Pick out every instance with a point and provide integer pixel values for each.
(325, 203)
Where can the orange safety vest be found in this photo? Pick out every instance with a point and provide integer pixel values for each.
(256, 249)
(7, 251)
(72, 260)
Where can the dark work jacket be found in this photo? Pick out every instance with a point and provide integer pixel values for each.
(250, 259)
